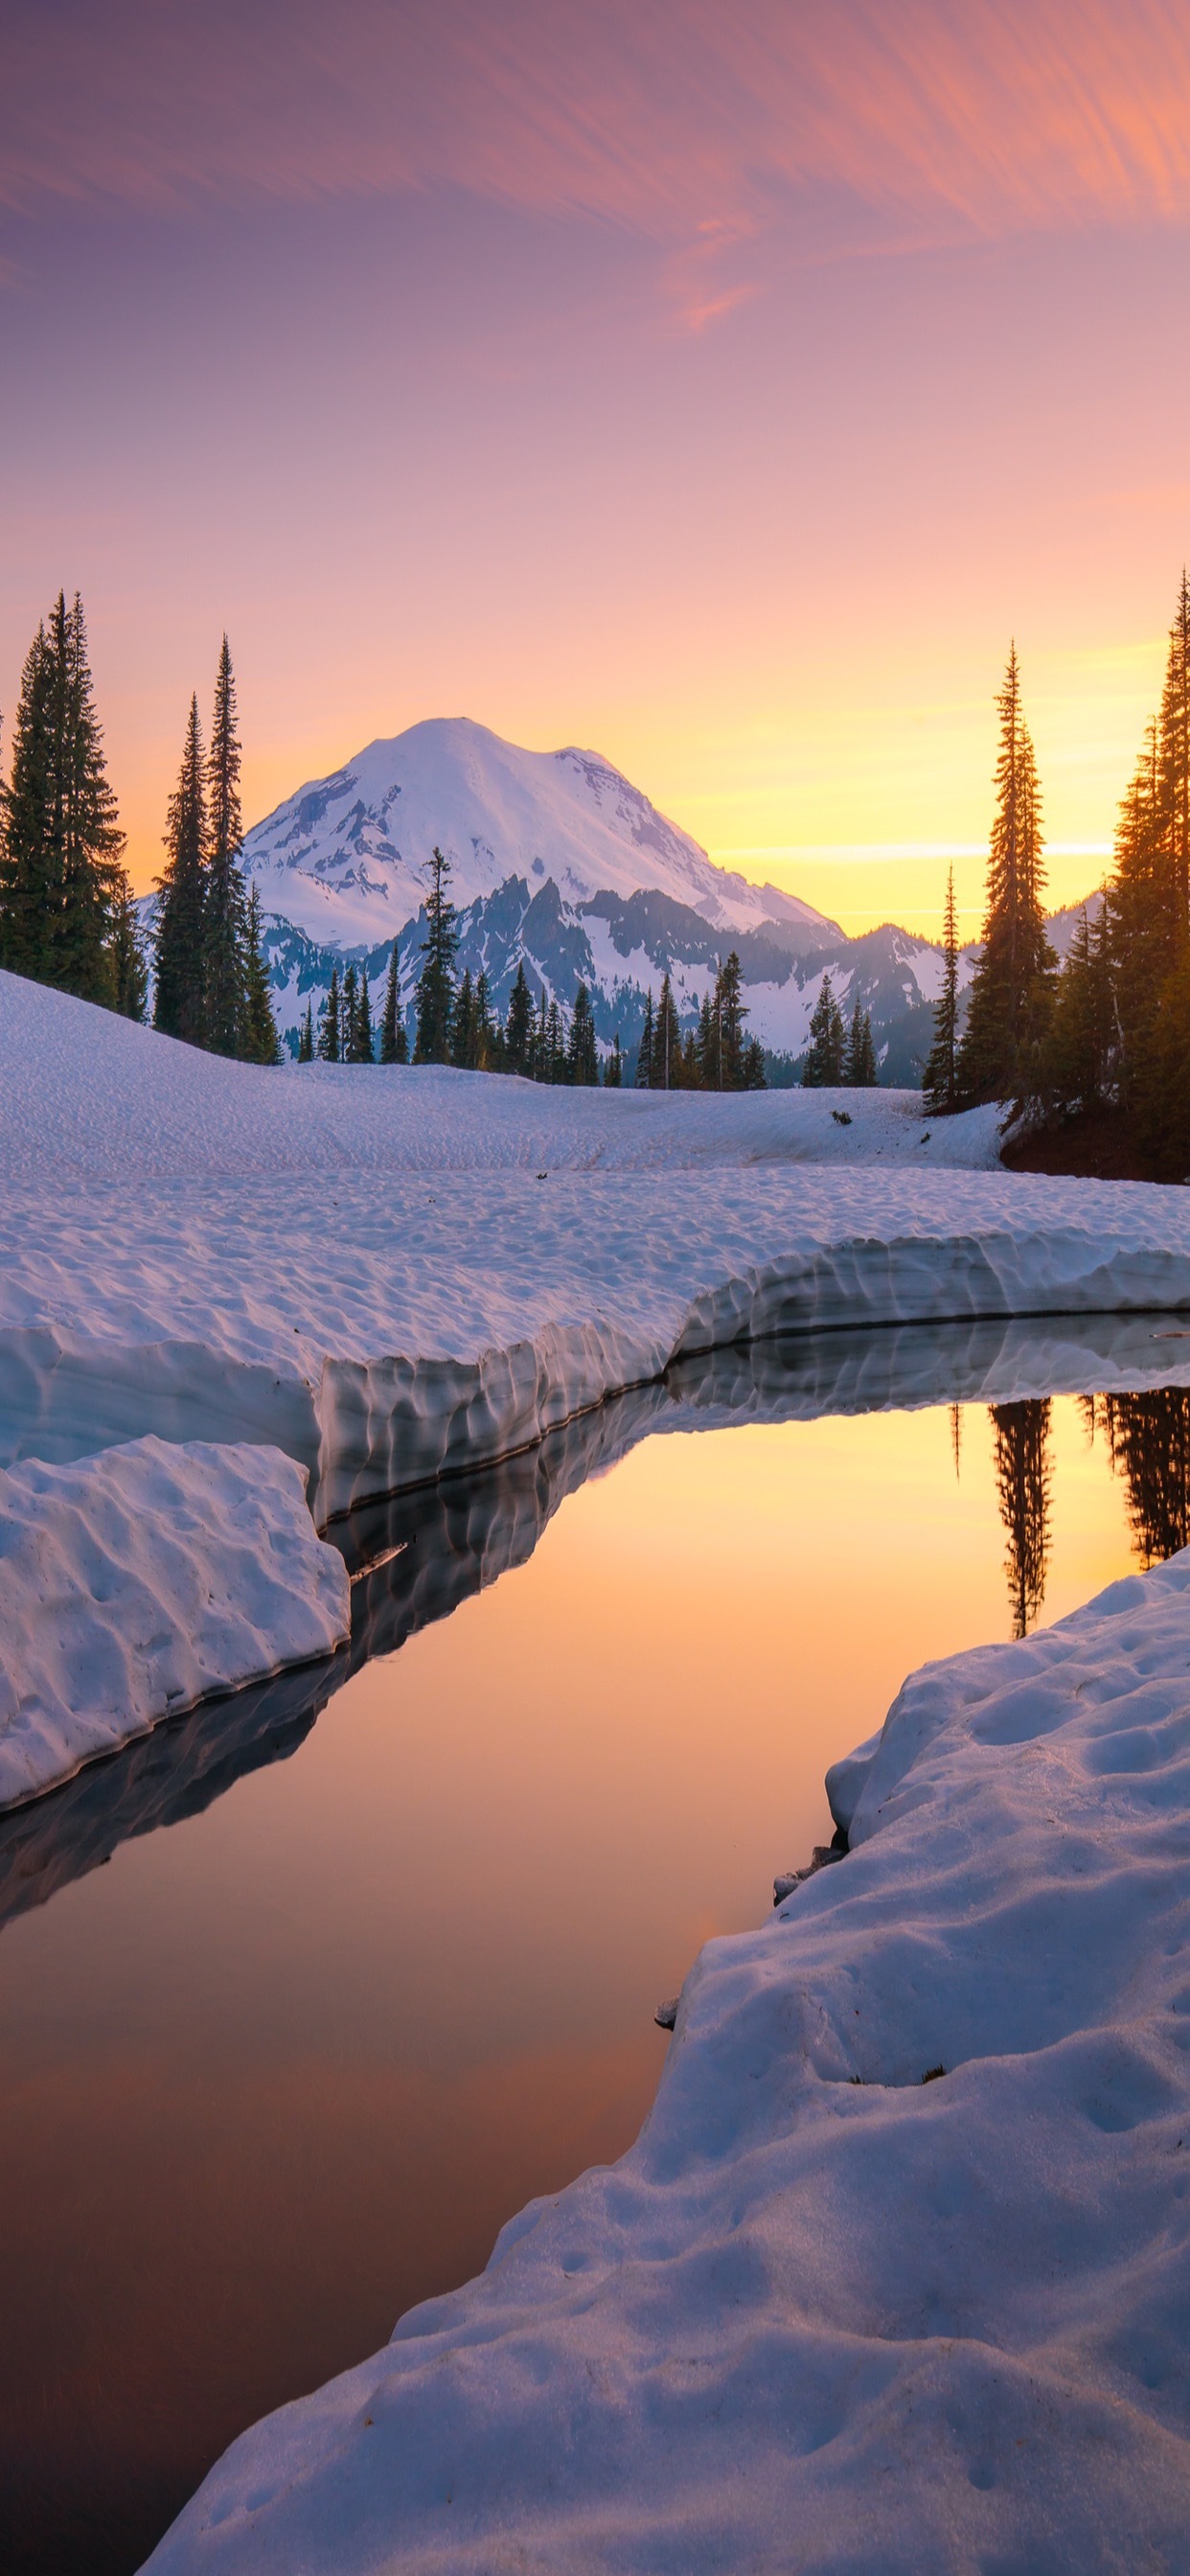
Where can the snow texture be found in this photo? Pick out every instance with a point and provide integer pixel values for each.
(135, 1583)
(388, 1272)
(896, 2276)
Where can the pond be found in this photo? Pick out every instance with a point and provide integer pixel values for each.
(304, 1996)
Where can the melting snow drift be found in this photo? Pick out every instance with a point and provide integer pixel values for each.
(896, 2277)
(135, 1583)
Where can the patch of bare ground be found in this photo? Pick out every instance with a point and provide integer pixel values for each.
(1097, 1146)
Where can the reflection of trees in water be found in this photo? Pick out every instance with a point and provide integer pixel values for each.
(1148, 1437)
(1022, 1463)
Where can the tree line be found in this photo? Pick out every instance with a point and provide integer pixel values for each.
(1110, 1032)
(457, 1022)
(67, 915)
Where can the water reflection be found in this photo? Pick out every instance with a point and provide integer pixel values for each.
(273, 2075)
(1022, 1464)
(1148, 1441)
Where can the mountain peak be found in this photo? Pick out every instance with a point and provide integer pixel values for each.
(345, 857)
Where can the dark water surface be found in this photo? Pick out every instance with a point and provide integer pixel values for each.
(301, 1998)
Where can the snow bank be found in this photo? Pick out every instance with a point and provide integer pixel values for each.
(136, 1583)
(896, 2275)
(387, 1272)
(92, 1097)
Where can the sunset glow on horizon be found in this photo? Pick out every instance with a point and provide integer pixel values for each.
(721, 397)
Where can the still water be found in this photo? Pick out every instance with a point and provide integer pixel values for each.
(300, 2000)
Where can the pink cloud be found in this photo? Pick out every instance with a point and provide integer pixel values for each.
(682, 121)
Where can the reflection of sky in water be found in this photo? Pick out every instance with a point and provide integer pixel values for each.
(278, 2072)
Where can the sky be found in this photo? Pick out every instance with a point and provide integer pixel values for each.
(720, 390)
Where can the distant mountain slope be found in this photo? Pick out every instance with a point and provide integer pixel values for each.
(344, 859)
(620, 947)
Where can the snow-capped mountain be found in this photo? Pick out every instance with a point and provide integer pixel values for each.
(344, 859)
(560, 863)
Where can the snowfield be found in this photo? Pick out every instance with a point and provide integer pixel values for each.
(388, 1272)
(896, 2277)
(136, 1583)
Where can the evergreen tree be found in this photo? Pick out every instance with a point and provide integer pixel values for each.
(61, 847)
(30, 864)
(488, 1049)
(349, 1015)
(365, 1050)
(435, 984)
(1008, 1011)
(394, 1045)
(259, 1041)
(518, 1030)
(644, 1059)
(227, 1010)
(553, 1042)
(752, 1073)
(859, 1062)
(730, 1015)
(824, 1062)
(613, 1071)
(583, 1052)
(666, 1051)
(180, 1004)
(329, 1022)
(463, 1042)
(130, 981)
(305, 1054)
(1081, 1049)
(706, 1045)
(940, 1086)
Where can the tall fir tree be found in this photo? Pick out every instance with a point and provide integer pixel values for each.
(435, 984)
(180, 1002)
(225, 916)
(666, 1053)
(823, 1069)
(394, 1044)
(365, 1044)
(305, 1053)
(518, 1027)
(730, 1013)
(613, 1070)
(1001, 1053)
(488, 1049)
(258, 1039)
(463, 1033)
(349, 1014)
(330, 1022)
(61, 847)
(644, 1053)
(583, 1052)
(940, 1085)
(30, 859)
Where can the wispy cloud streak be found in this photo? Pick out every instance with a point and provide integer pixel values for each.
(975, 116)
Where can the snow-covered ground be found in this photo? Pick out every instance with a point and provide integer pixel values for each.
(896, 2276)
(388, 1272)
(135, 1583)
